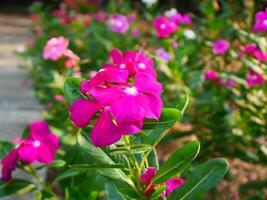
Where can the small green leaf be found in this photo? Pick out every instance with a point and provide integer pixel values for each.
(133, 149)
(97, 166)
(101, 158)
(158, 192)
(178, 161)
(67, 174)
(203, 178)
(72, 89)
(16, 187)
(5, 148)
(56, 164)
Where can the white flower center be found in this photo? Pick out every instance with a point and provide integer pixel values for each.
(36, 143)
(119, 24)
(131, 90)
(265, 22)
(163, 26)
(122, 66)
(141, 65)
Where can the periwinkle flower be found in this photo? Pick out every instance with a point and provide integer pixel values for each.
(41, 145)
(164, 27)
(260, 21)
(171, 184)
(211, 75)
(118, 23)
(118, 93)
(254, 79)
(253, 50)
(180, 18)
(220, 47)
(55, 48)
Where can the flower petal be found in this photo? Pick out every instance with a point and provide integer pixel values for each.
(27, 153)
(115, 56)
(82, 110)
(151, 86)
(39, 129)
(152, 105)
(45, 154)
(105, 132)
(106, 95)
(126, 109)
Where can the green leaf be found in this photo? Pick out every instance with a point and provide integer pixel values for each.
(101, 158)
(203, 178)
(153, 159)
(133, 149)
(72, 89)
(97, 166)
(112, 192)
(26, 132)
(168, 118)
(16, 187)
(183, 103)
(178, 161)
(5, 148)
(158, 192)
(67, 174)
(43, 195)
(56, 164)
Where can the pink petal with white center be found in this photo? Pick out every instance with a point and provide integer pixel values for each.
(151, 85)
(82, 110)
(105, 132)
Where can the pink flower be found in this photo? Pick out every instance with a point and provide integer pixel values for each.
(251, 49)
(171, 184)
(254, 79)
(181, 19)
(164, 27)
(100, 16)
(211, 75)
(142, 101)
(118, 23)
(59, 98)
(230, 83)
(9, 164)
(72, 59)
(55, 48)
(260, 21)
(160, 52)
(121, 98)
(220, 47)
(40, 145)
(135, 33)
(132, 61)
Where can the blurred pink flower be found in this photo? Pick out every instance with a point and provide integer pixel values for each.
(147, 176)
(180, 18)
(220, 47)
(211, 75)
(40, 145)
(59, 98)
(132, 61)
(118, 23)
(230, 83)
(160, 52)
(72, 59)
(260, 21)
(254, 79)
(55, 48)
(100, 16)
(253, 50)
(9, 164)
(164, 27)
(135, 33)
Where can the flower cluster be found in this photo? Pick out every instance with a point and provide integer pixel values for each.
(57, 48)
(123, 92)
(171, 184)
(40, 145)
(220, 47)
(260, 21)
